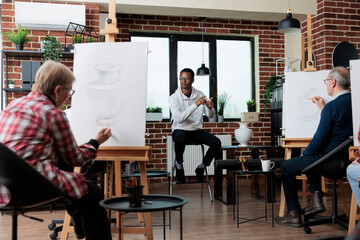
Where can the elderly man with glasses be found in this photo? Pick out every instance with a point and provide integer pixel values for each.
(188, 105)
(335, 126)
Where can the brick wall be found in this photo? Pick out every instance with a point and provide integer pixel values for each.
(336, 21)
(8, 23)
(271, 47)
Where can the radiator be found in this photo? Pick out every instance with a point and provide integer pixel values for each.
(192, 155)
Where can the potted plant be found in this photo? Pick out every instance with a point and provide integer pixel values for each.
(19, 38)
(52, 49)
(77, 38)
(90, 39)
(153, 114)
(270, 85)
(251, 105)
(222, 100)
(11, 84)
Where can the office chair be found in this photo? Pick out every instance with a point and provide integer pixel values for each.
(27, 186)
(333, 166)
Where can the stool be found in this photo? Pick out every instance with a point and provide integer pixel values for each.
(172, 182)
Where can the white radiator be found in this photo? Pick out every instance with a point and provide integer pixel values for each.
(192, 155)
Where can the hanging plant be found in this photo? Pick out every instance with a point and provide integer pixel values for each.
(270, 85)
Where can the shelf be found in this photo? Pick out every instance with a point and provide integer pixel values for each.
(17, 53)
(16, 90)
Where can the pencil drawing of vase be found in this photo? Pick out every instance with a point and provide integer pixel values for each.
(309, 110)
(108, 95)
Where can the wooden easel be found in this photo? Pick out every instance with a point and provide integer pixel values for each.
(310, 62)
(114, 156)
(354, 216)
(289, 144)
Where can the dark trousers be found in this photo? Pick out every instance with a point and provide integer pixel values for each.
(181, 138)
(292, 167)
(93, 217)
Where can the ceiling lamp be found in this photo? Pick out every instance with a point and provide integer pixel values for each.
(202, 71)
(289, 24)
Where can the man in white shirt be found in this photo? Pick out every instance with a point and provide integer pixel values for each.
(188, 105)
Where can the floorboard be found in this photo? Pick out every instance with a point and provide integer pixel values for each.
(201, 219)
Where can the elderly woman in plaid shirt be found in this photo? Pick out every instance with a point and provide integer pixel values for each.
(37, 130)
(353, 174)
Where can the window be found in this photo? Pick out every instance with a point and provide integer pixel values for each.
(230, 59)
(158, 73)
(234, 74)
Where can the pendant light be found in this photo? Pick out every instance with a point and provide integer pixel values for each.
(202, 71)
(289, 24)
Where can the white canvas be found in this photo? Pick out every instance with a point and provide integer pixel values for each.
(110, 90)
(300, 115)
(355, 97)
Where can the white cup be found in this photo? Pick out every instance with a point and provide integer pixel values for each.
(267, 165)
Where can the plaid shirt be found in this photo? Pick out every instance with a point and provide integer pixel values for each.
(40, 134)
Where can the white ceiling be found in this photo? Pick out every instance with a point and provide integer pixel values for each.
(270, 10)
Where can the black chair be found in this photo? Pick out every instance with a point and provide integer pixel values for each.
(333, 166)
(172, 173)
(28, 188)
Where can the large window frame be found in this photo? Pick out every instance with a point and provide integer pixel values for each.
(211, 39)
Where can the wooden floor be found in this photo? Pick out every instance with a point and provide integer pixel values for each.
(201, 219)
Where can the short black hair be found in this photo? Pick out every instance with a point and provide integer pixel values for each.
(188, 70)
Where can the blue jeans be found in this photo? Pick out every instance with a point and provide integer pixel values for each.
(292, 167)
(353, 174)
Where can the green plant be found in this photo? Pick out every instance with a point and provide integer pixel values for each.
(77, 38)
(52, 49)
(153, 109)
(222, 100)
(20, 37)
(270, 85)
(251, 105)
(90, 39)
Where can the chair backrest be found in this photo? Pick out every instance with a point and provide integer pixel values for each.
(333, 164)
(28, 188)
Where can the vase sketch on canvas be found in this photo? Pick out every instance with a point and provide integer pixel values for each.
(112, 93)
(308, 110)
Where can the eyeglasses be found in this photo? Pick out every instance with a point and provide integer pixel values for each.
(325, 80)
(185, 78)
(71, 91)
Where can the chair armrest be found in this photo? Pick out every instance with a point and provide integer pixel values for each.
(328, 155)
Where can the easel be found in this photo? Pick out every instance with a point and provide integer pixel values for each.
(354, 216)
(310, 63)
(290, 143)
(114, 156)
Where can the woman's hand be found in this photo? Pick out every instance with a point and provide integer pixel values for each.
(103, 135)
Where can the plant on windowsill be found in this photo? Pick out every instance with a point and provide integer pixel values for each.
(19, 38)
(11, 84)
(153, 114)
(251, 105)
(222, 101)
(52, 49)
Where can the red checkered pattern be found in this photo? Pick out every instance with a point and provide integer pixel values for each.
(40, 134)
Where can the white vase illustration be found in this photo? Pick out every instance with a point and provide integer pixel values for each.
(243, 134)
(108, 95)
